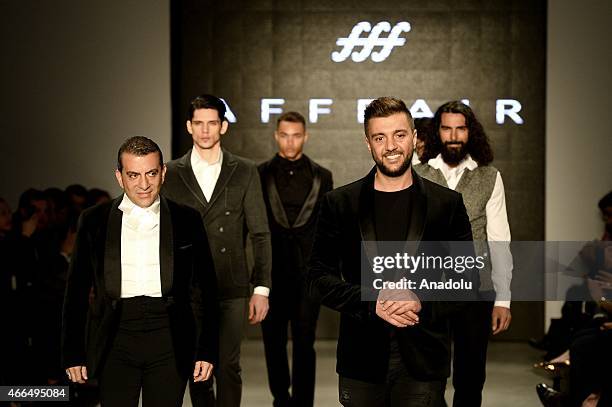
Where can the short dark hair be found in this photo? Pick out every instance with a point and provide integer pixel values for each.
(293, 117)
(139, 146)
(478, 143)
(606, 201)
(206, 102)
(384, 107)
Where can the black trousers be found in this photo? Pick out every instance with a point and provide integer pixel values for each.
(232, 321)
(471, 329)
(399, 389)
(302, 313)
(142, 358)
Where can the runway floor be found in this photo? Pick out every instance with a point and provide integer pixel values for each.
(510, 379)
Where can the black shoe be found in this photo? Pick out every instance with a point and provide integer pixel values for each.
(548, 396)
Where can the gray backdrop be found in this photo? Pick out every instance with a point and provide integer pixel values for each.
(244, 51)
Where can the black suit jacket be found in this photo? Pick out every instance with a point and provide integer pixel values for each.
(292, 244)
(346, 219)
(236, 208)
(187, 280)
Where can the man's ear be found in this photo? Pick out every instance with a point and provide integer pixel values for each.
(368, 143)
(119, 179)
(305, 137)
(189, 128)
(224, 126)
(163, 173)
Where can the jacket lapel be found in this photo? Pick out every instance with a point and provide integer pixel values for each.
(418, 214)
(187, 175)
(366, 216)
(166, 247)
(276, 205)
(228, 166)
(112, 251)
(312, 198)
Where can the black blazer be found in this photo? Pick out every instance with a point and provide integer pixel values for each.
(187, 280)
(292, 244)
(346, 219)
(236, 208)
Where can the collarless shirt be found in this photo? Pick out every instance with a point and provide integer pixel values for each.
(498, 229)
(140, 267)
(206, 173)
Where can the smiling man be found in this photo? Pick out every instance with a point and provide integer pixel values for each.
(390, 353)
(147, 261)
(293, 186)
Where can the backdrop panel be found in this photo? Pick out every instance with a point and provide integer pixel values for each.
(264, 56)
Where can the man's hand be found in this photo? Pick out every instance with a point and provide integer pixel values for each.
(202, 371)
(606, 326)
(398, 307)
(77, 374)
(258, 308)
(500, 319)
(400, 314)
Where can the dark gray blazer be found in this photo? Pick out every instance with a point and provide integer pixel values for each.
(236, 208)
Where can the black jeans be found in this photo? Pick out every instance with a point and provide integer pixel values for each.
(399, 390)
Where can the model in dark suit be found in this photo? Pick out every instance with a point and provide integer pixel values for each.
(390, 353)
(132, 341)
(226, 191)
(293, 186)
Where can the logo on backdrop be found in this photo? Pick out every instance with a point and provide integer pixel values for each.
(367, 44)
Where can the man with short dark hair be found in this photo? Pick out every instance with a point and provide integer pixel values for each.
(152, 320)
(459, 158)
(391, 352)
(293, 186)
(226, 191)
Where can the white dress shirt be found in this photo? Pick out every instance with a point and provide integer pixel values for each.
(207, 175)
(140, 270)
(498, 229)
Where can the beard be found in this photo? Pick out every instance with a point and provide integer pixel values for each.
(401, 170)
(453, 155)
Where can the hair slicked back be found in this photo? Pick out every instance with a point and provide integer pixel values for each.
(206, 101)
(384, 107)
(139, 146)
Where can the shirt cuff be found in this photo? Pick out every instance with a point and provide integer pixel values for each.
(505, 304)
(265, 291)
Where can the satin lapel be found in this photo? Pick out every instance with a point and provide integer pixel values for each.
(188, 177)
(112, 251)
(227, 169)
(312, 198)
(366, 216)
(418, 214)
(166, 248)
(276, 205)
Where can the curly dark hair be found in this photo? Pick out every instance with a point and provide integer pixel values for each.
(478, 143)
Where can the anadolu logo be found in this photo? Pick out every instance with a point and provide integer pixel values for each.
(367, 44)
